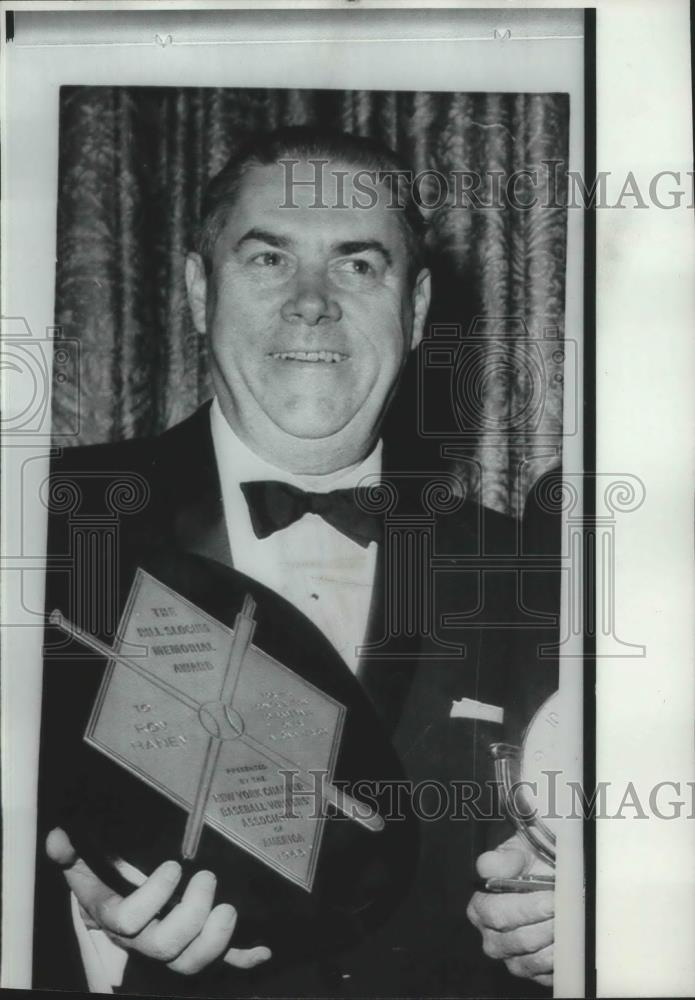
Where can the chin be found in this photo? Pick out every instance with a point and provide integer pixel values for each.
(314, 425)
(310, 432)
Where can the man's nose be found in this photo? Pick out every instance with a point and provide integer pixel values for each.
(311, 302)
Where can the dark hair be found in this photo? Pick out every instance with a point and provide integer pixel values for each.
(301, 142)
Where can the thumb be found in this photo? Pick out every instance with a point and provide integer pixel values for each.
(59, 848)
(506, 861)
(87, 887)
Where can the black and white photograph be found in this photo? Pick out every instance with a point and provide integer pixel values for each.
(305, 542)
(302, 328)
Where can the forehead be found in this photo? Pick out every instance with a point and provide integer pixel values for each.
(301, 199)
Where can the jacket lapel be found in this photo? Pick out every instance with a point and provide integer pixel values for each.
(397, 631)
(201, 529)
(190, 484)
(388, 659)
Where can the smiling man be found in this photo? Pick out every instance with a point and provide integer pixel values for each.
(312, 297)
(310, 308)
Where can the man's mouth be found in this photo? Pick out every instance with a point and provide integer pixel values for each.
(328, 357)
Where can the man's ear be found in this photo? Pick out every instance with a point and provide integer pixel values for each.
(196, 287)
(422, 292)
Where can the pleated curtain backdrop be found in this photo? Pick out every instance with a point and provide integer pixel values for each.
(133, 166)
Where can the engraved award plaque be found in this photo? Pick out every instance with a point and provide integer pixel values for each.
(517, 768)
(225, 758)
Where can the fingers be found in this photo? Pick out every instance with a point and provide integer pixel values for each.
(123, 917)
(80, 878)
(130, 915)
(210, 944)
(505, 911)
(247, 958)
(88, 889)
(538, 966)
(523, 941)
(166, 939)
(505, 862)
(511, 858)
(519, 929)
(188, 939)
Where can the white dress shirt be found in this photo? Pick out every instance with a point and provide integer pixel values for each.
(323, 573)
(310, 563)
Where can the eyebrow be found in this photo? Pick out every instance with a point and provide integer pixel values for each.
(360, 246)
(346, 248)
(264, 236)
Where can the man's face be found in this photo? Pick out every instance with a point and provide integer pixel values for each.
(310, 315)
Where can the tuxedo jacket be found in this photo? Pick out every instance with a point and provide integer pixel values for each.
(450, 620)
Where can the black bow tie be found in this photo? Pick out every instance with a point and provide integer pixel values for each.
(275, 505)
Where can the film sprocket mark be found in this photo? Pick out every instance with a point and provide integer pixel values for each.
(515, 768)
(211, 721)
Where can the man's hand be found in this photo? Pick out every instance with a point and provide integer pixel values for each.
(517, 927)
(192, 936)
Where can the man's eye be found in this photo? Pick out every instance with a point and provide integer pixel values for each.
(269, 258)
(358, 266)
(362, 267)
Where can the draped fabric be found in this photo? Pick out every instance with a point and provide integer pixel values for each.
(485, 387)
